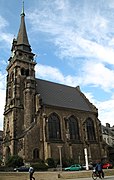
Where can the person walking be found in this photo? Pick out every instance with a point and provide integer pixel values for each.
(31, 172)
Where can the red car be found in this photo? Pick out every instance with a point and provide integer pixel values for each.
(107, 166)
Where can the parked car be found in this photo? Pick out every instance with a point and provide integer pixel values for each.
(89, 165)
(107, 166)
(22, 169)
(75, 167)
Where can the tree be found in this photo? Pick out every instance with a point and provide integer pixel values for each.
(14, 161)
(0, 160)
(51, 162)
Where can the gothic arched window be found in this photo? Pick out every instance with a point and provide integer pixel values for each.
(54, 129)
(73, 128)
(90, 130)
(7, 153)
(35, 153)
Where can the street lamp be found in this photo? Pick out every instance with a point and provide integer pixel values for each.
(60, 157)
(86, 158)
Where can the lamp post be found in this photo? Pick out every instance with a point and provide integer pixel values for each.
(60, 157)
(85, 145)
(86, 158)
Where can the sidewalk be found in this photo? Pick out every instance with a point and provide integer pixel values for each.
(81, 175)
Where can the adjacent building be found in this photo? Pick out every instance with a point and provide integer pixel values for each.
(108, 138)
(42, 118)
(1, 146)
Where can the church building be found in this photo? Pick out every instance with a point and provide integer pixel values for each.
(43, 119)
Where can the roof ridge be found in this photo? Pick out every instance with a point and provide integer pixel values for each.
(56, 83)
(87, 100)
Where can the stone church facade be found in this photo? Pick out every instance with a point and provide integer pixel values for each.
(42, 117)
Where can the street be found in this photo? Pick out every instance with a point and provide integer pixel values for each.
(107, 178)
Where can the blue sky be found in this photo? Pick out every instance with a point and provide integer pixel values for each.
(74, 45)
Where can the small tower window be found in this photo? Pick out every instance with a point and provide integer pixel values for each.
(27, 72)
(24, 72)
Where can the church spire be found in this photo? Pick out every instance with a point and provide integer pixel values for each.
(22, 38)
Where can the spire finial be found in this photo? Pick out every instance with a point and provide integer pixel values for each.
(22, 13)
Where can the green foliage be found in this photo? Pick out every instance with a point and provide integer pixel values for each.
(0, 160)
(51, 163)
(40, 166)
(14, 161)
(66, 162)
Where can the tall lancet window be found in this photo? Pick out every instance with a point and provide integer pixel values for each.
(73, 128)
(54, 127)
(90, 130)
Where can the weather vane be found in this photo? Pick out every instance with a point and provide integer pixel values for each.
(23, 9)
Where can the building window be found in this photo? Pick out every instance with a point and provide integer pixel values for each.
(54, 127)
(73, 128)
(12, 76)
(7, 153)
(24, 72)
(35, 154)
(90, 130)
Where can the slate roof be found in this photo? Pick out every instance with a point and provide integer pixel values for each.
(59, 95)
(22, 38)
(22, 34)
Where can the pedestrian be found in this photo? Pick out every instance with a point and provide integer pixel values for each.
(99, 169)
(31, 172)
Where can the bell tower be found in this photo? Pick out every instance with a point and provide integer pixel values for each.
(20, 91)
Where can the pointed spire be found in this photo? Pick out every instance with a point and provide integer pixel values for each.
(22, 38)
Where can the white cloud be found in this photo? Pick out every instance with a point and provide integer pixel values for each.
(5, 38)
(105, 109)
(92, 73)
(2, 97)
(85, 33)
(3, 23)
(2, 105)
(106, 113)
(2, 80)
(97, 74)
(74, 33)
(47, 71)
(55, 75)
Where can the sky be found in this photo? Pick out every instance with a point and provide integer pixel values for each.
(73, 42)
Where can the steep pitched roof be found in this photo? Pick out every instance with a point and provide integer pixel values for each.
(22, 38)
(59, 95)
